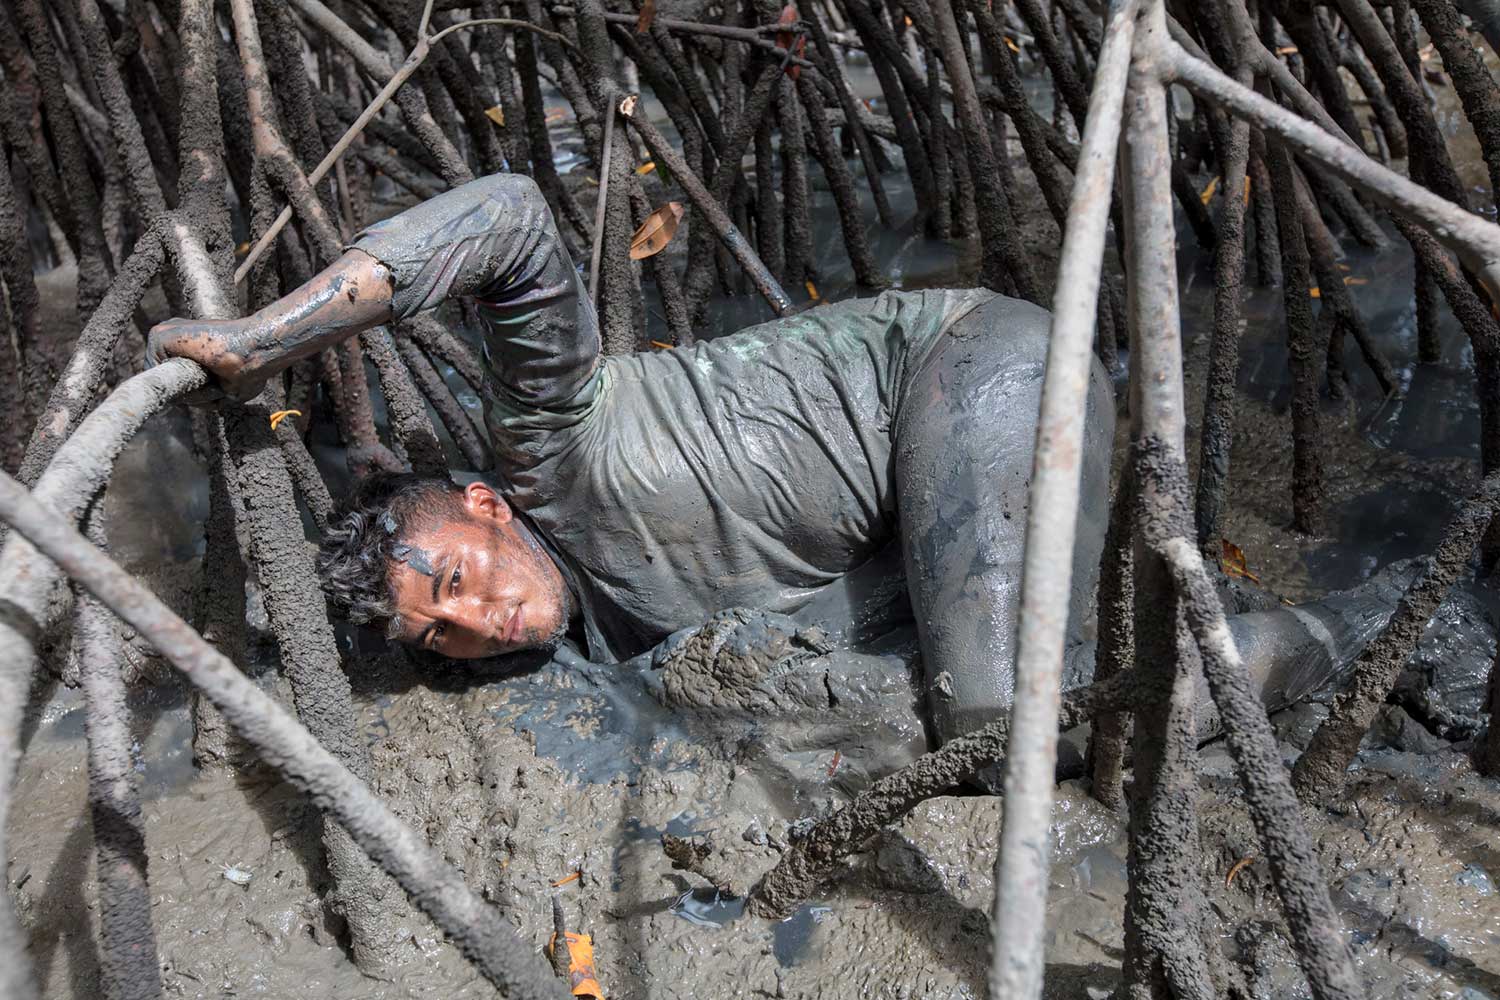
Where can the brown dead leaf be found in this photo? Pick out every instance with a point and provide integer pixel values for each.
(784, 39)
(1207, 194)
(1239, 866)
(1350, 279)
(648, 14)
(495, 114)
(656, 232)
(1232, 561)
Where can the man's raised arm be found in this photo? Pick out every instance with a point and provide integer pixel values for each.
(493, 238)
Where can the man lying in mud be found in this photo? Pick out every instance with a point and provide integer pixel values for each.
(636, 496)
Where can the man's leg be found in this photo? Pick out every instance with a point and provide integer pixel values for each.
(964, 437)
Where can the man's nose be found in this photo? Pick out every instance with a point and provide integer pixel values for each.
(473, 616)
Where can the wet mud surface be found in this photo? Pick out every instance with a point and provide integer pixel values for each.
(524, 780)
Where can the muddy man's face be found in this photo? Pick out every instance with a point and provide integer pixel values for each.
(477, 585)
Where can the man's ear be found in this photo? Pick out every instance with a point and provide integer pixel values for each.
(481, 501)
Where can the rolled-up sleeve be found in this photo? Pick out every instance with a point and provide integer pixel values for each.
(495, 239)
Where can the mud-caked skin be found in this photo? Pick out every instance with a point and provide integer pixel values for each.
(753, 471)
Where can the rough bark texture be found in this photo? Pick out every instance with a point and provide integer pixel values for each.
(1115, 649)
(1217, 436)
(219, 603)
(1308, 491)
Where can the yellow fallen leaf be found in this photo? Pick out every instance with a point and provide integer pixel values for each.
(1247, 189)
(570, 877)
(646, 168)
(656, 232)
(1232, 561)
(280, 415)
(1012, 45)
(812, 291)
(1207, 194)
(1287, 50)
(1314, 292)
(1350, 279)
(495, 114)
(657, 343)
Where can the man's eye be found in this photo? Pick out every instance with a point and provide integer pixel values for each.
(436, 635)
(453, 583)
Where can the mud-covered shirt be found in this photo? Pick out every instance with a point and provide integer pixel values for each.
(753, 470)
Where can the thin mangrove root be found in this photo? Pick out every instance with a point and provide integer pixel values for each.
(1274, 809)
(815, 857)
(1319, 772)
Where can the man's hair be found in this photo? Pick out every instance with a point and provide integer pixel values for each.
(356, 554)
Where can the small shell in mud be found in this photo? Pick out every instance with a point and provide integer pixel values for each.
(236, 875)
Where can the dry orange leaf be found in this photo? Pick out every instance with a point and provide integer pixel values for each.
(582, 978)
(1350, 279)
(1208, 193)
(1012, 45)
(812, 291)
(572, 877)
(1239, 866)
(1315, 292)
(656, 232)
(1287, 50)
(646, 168)
(280, 415)
(1232, 561)
(664, 347)
(495, 114)
(648, 14)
